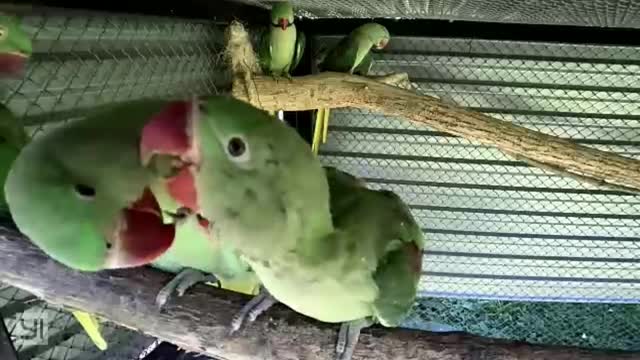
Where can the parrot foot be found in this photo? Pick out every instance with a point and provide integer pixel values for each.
(348, 338)
(256, 306)
(182, 282)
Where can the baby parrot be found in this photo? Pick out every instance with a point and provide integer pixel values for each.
(281, 46)
(318, 240)
(15, 47)
(350, 55)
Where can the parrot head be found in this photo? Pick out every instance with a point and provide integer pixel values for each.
(79, 193)
(282, 14)
(249, 165)
(377, 34)
(265, 176)
(15, 47)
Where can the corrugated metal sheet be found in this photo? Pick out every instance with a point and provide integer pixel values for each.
(498, 228)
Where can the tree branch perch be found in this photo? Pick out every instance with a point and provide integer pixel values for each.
(337, 90)
(199, 320)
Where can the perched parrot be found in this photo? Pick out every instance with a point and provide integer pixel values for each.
(280, 46)
(318, 239)
(15, 47)
(350, 55)
(97, 207)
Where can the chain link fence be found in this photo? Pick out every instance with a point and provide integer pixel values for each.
(514, 251)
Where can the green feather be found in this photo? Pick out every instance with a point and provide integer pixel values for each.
(12, 138)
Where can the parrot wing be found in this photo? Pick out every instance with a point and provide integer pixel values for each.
(341, 57)
(382, 222)
(12, 138)
(264, 49)
(365, 66)
(301, 43)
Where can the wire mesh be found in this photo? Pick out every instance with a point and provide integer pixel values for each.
(82, 62)
(601, 13)
(498, 230)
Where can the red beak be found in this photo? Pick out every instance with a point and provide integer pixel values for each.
(12, 65)
(283, 23)
(140, 235)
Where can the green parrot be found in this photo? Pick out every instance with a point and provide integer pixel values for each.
(350, 55)
(318, 240)
(281, 45)
(15, 47)
(84, 185)
(98, 207)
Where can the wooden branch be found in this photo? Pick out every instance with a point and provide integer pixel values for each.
(336, 90)
(199, 320)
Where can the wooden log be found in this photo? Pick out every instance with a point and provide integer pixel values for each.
(337, 90)
(199, 320)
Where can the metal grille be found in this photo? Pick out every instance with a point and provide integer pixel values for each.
(602, 13)
(497, 228)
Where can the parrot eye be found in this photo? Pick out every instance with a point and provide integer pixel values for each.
(3, 32)
(236, 147)
(84, 191)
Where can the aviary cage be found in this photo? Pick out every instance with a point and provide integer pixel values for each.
(515, 251)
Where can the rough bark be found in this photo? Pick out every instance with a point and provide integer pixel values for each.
(199, 320)
(336, 90)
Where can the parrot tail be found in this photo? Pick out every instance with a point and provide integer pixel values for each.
(321, 129)
(91, 326)
(246, 286)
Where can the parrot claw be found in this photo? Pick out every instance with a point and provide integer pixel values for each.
(256, 306)
(183, 282)
(348, 338)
